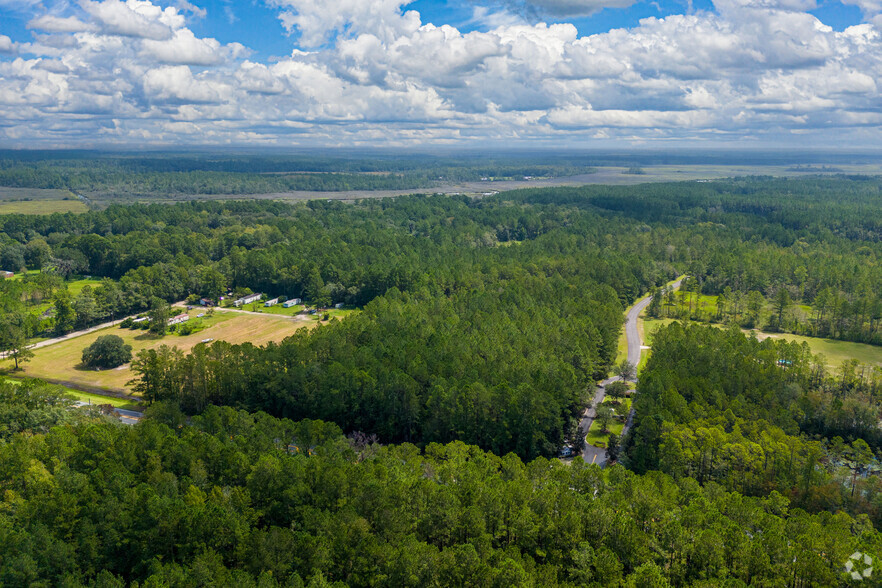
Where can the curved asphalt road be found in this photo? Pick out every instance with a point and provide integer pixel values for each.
(597, 455)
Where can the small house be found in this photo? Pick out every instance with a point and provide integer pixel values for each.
(288, 304)
(181, 318)
(140, 320)
(338, 305)
(206, 302)
(272, 302)
(5, 274)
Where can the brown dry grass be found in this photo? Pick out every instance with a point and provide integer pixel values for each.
(60, 362)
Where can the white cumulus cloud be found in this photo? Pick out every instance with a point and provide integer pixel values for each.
(372, 71)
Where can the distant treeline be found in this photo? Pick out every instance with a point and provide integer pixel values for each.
(135, 176)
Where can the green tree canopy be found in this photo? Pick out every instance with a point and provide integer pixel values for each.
(108, 351)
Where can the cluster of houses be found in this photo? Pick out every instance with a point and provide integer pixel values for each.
(271, 302)
(256, 297)
(286, 304)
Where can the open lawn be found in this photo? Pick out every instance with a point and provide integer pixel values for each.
(834, 351)
(278, 309)
(42, 206)
(598, 439)
(59, 363)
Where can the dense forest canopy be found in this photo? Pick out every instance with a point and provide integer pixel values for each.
(239, 499)
(476, 312)
(408, 444)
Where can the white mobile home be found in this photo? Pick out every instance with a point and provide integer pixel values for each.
(181, 318)
(272, 302)
(290, 303)
(247, 299)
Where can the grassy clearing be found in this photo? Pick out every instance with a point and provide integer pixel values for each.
(41, 206)
(74, 287)
(99, 399)
(278, 309)
(337, 313)
(598, 439)
(835, 352)
(93, 398)
(12, 194)
(59, 363)
(648, 326)
(21, 275)
(622, 349)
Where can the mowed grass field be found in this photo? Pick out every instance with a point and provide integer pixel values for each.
(59, 363)
(834, 351)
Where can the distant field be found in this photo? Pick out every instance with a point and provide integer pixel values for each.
(604, 175)
(58, 363)
(41, 206)
(33, 194)
(36, 201)
(834, 351)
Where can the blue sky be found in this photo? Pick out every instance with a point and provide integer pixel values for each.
(91, 73)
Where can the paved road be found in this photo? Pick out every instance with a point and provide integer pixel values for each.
(597, 455)
(74, 334)
(126, 417)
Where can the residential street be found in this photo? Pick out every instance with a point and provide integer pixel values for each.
(597, 455)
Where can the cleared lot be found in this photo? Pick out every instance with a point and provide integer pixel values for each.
(60, 363)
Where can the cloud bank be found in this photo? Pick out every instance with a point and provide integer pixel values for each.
(365, 72)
